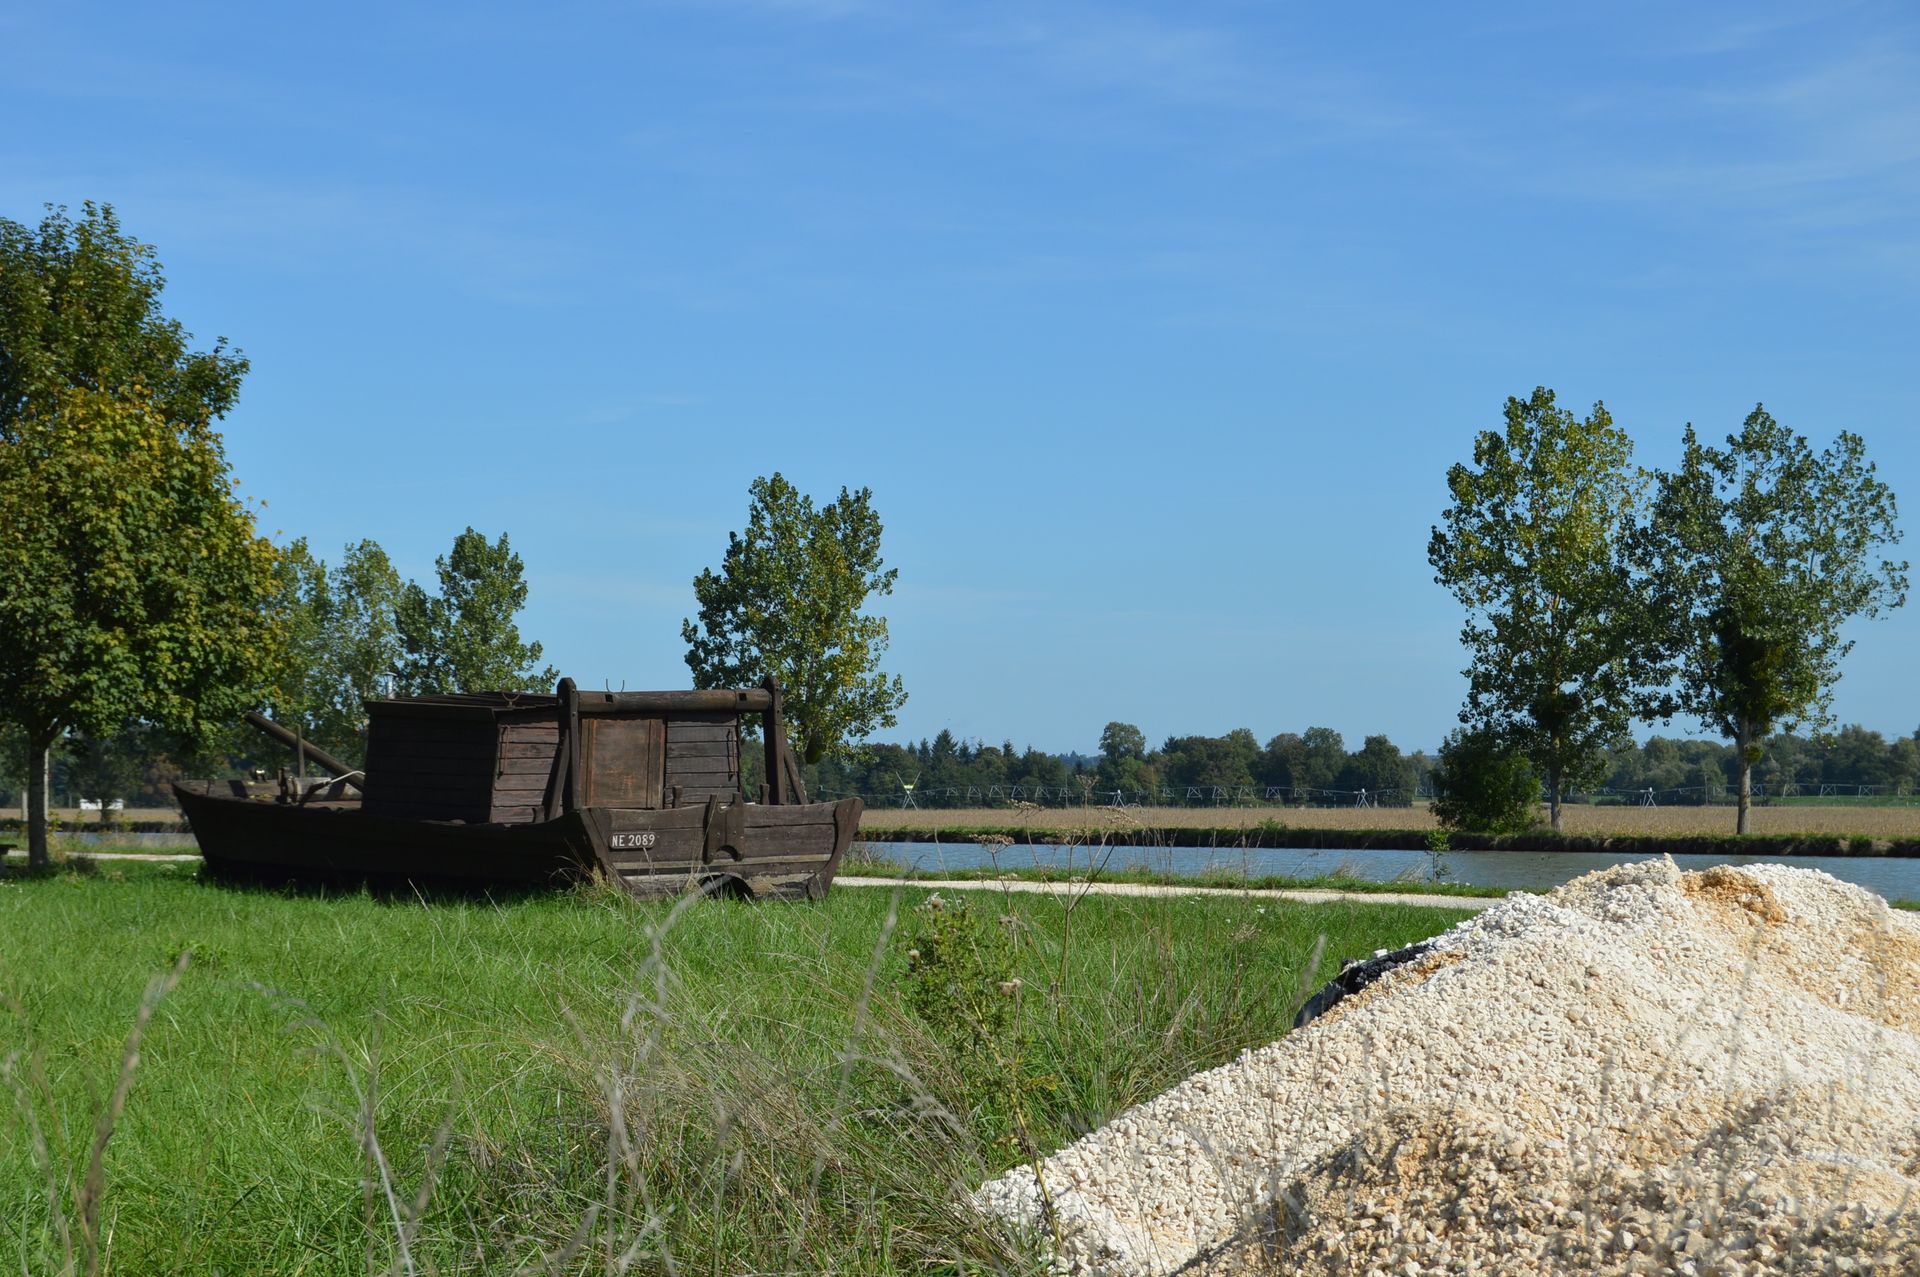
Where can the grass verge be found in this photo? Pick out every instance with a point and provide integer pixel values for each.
(571, 1083)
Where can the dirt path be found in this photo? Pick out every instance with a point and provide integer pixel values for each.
(1170, 889)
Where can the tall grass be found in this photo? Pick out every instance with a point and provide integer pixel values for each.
(579, 1083)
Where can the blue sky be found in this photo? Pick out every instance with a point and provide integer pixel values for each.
(1152, 328)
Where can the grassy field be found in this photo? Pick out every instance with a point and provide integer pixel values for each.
(579, 1083)
(1869, 818)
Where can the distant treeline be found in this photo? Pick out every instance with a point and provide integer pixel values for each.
(1313, 767)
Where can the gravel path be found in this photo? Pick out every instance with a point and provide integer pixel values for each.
(1709, 1074)
(1025, 886)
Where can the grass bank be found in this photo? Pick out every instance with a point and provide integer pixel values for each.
(1275, 834)
(573, 1083)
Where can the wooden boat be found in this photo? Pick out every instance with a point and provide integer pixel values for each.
(642, 788)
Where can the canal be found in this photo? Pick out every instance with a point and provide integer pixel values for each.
(1893, 878)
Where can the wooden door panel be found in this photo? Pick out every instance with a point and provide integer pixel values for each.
(625, 761)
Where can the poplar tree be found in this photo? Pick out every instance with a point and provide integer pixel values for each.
(1757, 554)
(1533, 547)
(788, 602)
(466, 638)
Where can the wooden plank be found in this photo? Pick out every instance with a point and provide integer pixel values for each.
(692, 794)
(696, 732)
(725, 749)
(474, 795)
(633, 820)
(521, 815)
(679, 769)
(798, 859)
(773, 735)
(433, 765)
(476, 774)
(429, 770)
(524, 766)
(405, 745)
(531, 715)
(412, 733)
(530, 749)
(716, 701)
(429, 711)
(476, 811)
(531, 733)
(576, 748)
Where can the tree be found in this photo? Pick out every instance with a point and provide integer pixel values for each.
(80, 310)
(786, 603)
(1533, 547)
(1758, 553)
(1323, 755)
(465, 639)
(1211, 762)
(341, 641)
(1483, 784)
(1382, 770)
(1120, 741)
(131, 589)
(131, 580)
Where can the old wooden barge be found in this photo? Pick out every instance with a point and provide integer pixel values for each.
(642, 788)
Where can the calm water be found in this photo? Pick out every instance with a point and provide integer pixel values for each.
(1896, 879)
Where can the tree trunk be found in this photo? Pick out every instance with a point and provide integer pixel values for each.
(1553, 800)
(39, 774)
(1746, 781)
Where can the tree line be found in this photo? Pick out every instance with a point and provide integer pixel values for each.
(949, 772)
(1599, 594)
(1314, 768)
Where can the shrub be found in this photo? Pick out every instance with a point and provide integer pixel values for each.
(1484, 785)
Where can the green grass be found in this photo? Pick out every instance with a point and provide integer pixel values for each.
(574, 1083)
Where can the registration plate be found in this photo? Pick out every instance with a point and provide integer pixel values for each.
(623, 842)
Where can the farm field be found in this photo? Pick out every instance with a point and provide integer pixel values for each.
(1870, 819)
(577, 1082)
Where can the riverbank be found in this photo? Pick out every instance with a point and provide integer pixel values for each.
(1271, 833)
(1338, 885)
(1866, 818)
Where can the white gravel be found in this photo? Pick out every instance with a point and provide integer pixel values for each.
(1645, 1071)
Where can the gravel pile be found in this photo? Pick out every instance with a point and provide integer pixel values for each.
(1646, 1071)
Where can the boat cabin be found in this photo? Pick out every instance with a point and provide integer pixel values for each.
(519, 758)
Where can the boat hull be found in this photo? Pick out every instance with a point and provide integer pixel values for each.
(754, 850)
